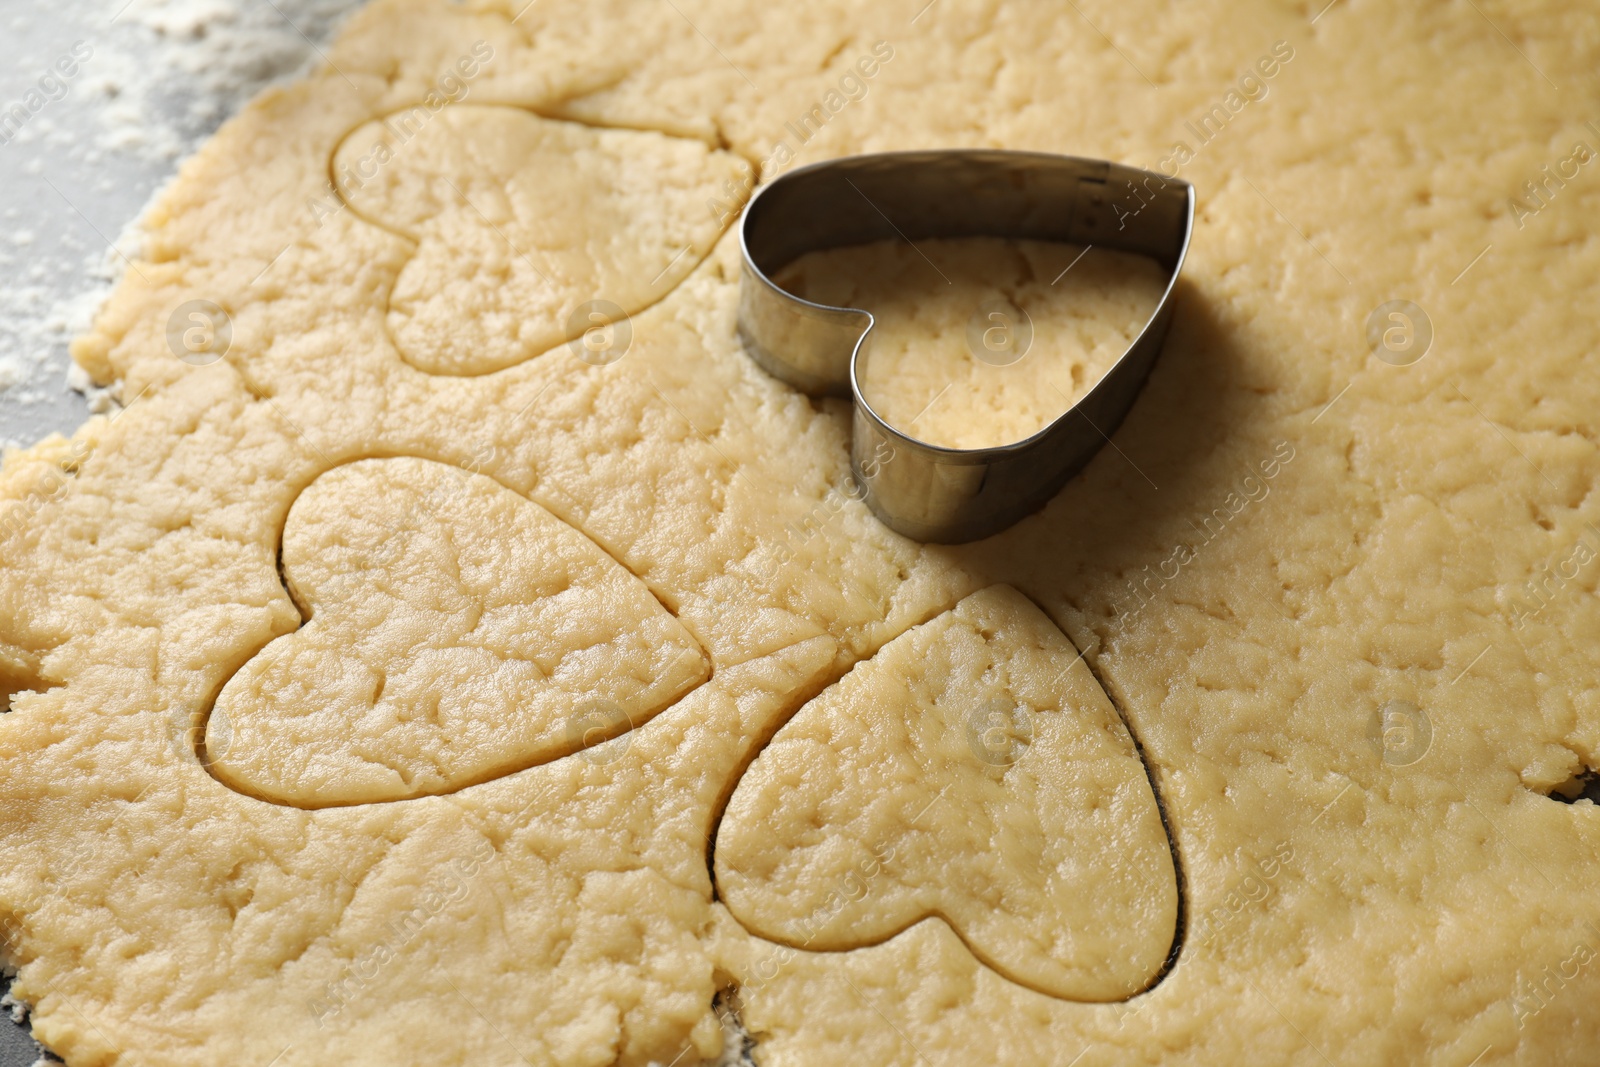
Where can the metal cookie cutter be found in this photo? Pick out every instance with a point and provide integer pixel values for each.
(926, 491)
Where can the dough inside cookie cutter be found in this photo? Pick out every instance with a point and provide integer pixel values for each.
(925, 491)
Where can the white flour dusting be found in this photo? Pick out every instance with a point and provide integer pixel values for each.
(82, 154)
(99, 102)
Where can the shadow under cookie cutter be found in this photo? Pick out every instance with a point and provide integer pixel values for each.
(930, 492)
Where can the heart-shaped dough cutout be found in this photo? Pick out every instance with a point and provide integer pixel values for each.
(456, 632)
(520, 220)
(972, 770)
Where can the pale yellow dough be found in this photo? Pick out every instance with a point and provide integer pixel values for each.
(520, 220)
(1336, 612)
(971, 770)
(981, 341)
(455, 632)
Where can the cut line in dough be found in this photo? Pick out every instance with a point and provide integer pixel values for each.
(519, 222)
(975, 772)
(453, 632)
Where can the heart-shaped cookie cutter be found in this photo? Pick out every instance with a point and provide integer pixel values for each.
(925, 491)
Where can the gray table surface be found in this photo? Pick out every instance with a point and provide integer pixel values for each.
(160, 76)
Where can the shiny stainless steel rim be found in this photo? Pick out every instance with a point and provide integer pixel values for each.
(922, 490)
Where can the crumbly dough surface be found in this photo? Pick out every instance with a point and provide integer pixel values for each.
(1339, 595)
(972, 770)
(455, 631)
(981, 341)
(519, 220)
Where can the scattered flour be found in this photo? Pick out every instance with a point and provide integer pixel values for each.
(161, 77)
(97, 146)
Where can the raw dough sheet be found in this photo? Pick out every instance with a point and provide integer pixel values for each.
(419, 670)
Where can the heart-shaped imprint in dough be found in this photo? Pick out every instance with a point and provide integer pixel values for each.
(456, 631)
(519, 220)
(975, 771)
